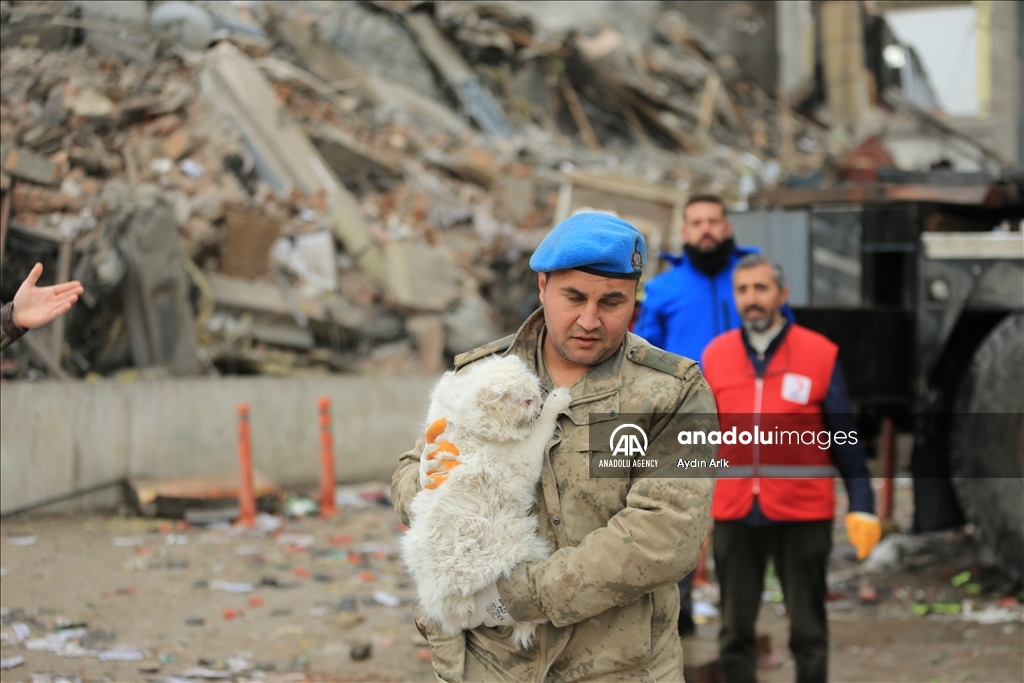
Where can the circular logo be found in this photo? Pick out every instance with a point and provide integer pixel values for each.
(629, 444)
(637, 258)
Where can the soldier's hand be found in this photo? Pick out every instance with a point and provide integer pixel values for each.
(864, 531)
(438, 457)
(489, 609)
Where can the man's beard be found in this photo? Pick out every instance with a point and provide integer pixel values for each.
(757, 324)
(713, 260)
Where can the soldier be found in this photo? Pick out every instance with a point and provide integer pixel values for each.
(619, 545)
(35, 306)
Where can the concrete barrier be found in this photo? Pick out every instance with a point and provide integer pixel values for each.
(57, 437)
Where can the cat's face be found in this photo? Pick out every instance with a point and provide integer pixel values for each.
(504, 399)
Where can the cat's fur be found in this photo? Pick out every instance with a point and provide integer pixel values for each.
(477, 526)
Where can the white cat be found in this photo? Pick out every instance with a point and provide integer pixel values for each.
(476, 526)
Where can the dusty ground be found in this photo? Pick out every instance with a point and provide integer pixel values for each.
(148, 590)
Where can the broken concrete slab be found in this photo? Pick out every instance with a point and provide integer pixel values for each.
(322, 60)
(351, 160)
(264, 297)
(469, 325)
(284, 156)
(310, 257)
(120, 27)
(31, 24)
(283, 333)
(517, 196)
(25, 164)
(155, 288)
(428, 331)
(421, 277)
(472, 93)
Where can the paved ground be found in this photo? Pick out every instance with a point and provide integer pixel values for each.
(118, 598)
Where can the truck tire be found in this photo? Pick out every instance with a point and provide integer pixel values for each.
(987, 443)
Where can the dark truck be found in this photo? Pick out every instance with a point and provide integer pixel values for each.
(919, 279)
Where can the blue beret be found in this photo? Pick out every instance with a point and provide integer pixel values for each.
(595, 243)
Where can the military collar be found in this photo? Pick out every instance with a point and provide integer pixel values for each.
(600, 380)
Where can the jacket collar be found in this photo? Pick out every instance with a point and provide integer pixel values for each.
(761, 363)
(603, 379)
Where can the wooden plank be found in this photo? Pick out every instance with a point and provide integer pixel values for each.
(878, 193)
(197, 488)
(707, 103)
(627, 187)
(60, 324)
(635, 126)
(439, 51)
(37, 349)
(579, 116)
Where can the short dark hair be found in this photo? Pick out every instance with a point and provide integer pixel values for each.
(705, 199)
(756, 259)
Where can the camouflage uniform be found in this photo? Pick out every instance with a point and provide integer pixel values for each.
(9, 332)
(620, 545)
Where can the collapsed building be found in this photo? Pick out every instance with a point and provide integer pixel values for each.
(315, 187)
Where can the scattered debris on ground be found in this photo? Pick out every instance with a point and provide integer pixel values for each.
(301, 597)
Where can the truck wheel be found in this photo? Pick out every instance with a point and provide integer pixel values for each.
(987, 443)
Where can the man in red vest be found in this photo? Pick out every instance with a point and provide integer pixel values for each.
(785, 427)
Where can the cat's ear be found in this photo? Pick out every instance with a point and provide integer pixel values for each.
(499, 391)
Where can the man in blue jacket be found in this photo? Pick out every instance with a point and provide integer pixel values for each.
(688, 306)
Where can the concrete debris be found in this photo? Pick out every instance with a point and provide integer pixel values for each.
(261, 187)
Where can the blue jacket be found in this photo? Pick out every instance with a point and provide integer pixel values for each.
(685, 308)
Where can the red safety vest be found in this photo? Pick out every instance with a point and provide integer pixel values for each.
(782, 462)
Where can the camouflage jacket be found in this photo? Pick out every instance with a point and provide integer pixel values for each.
(9, 332)
(620, 545)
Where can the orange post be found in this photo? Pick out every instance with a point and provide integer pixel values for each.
(246, 498)
(326, 459)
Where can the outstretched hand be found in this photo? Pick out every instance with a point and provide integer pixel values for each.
(36, 306)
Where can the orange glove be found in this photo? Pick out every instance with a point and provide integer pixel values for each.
(438, 457)
(864, 531)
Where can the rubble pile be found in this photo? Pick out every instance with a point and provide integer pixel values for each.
(262, 188)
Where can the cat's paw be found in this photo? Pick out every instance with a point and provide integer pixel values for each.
(558, 400)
